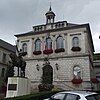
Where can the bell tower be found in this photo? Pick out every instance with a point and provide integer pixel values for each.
(50, 16)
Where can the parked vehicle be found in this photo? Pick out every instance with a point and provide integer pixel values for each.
(75, 95)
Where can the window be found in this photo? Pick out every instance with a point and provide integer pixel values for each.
(38, 45)
(4, 58)
(72, 97)
(75, 42)
(3, 72)
(59, 42)
(77, 72)
(24, 47)
(93, 97)
(48, 44)
(59, 96)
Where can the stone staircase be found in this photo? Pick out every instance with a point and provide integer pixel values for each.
(63, 86)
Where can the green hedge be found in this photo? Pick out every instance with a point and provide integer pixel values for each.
(34, 96)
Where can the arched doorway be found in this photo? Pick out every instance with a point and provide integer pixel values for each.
(47, 76)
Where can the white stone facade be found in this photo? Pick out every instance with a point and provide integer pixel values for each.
(65, 61)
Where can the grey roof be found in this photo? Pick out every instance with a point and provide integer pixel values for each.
(7, 46)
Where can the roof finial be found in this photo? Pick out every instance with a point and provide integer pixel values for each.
(50, 6)
(50, 15)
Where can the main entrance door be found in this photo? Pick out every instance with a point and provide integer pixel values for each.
(47, 74)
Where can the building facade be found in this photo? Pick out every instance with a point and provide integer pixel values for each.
(96, 64)
(5, 50)
(64, 49)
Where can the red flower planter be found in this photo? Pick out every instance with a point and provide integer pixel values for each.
(37, 52)
(49, 51)
(77, 81)
(59, 50)
(76, 49)
(94, 80)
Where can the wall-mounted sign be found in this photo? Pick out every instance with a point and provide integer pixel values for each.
(12, 86)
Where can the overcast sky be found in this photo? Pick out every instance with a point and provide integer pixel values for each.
(18, 16)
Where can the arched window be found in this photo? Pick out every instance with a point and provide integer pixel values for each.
(75, 42)
(24, 47)
(3, 72)
(59, 42)
(77, 72)
(38, 45)
(48, 44)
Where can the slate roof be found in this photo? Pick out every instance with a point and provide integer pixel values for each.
(7, 46)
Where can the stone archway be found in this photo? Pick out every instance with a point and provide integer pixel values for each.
(47, 76)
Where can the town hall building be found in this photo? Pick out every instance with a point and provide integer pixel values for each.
(64, 50)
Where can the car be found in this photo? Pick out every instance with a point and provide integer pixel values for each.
(75, 95)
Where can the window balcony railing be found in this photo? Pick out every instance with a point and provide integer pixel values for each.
(37, 52)
(59, 50)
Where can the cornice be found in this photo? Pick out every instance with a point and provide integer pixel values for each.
(57, 57)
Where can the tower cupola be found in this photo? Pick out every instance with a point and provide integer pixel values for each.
(50, 16)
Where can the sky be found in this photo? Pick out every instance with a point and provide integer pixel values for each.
(18, 16)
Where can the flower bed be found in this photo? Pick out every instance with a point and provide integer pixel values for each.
(77, 81)
(49, 51)
(37, 52)
(59, 50)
